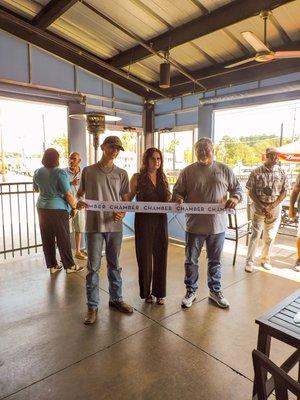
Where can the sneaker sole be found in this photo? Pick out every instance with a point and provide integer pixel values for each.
(55, 272)
(219, 304)
(188, 306)
(74, 271)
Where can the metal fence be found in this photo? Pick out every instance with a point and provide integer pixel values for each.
(18, 219)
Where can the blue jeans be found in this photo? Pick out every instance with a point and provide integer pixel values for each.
(113, 242)
(214, 247)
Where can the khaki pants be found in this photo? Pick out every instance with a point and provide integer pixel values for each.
(269, 227)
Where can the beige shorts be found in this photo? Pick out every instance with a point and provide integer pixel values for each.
(77, 224)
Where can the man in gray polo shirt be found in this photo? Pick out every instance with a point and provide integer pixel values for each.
(206, 181)
(106, 182)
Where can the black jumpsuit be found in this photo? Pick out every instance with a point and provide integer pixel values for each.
(151, 242)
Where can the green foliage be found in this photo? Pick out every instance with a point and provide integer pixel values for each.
(188, 156)
(61, 144)
(247, 149)
(171, 146)
(129, 141)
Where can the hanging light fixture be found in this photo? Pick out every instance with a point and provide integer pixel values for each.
(165, 73)
(95, 123)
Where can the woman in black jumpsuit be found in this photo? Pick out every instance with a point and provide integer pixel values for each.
(151, 230)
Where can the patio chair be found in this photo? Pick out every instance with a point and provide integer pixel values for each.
(236, 231)
(280, 380)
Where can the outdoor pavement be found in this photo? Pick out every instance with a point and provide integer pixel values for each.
(159, 352)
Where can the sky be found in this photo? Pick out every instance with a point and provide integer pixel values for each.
(21, 124)
(263, 119)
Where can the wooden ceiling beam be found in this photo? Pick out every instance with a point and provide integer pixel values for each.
(253, 72)
(220, 18)
(219, 70)
(17, 26)
(51, 12)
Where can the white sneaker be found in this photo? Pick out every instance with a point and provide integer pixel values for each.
(266, 266)
(249, 267)
(74, 268)
(219, 298)
(55, 269)
(188, 299)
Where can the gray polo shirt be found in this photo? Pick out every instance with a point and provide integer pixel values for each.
(207, 184)
(104, 185)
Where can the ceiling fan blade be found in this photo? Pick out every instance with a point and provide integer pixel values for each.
(255, 42)
(287, 54)
(240, 62)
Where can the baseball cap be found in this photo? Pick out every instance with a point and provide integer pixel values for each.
(114, 140)
(271, 150)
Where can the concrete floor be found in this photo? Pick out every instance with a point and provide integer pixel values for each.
(159, 352)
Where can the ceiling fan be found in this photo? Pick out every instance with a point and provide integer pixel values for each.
(263, 52)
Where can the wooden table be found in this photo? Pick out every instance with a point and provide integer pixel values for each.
(279, 323)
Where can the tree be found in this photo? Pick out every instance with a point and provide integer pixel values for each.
(61, 144)
(188, 156)
(247, 150)
(171, 148)
(129, 141)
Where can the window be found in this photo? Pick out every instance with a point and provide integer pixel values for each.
(128, 159)
(177, 149)
(26, 130)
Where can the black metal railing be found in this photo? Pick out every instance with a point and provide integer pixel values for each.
(19, 220)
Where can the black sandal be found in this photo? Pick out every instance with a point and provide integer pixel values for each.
(149, 299)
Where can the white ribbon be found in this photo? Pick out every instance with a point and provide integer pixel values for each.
(157, 208)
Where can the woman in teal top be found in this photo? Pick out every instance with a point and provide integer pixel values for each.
(54, 204)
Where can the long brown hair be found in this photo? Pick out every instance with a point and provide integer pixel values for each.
(143, 177)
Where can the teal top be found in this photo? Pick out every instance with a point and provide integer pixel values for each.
(52, 184)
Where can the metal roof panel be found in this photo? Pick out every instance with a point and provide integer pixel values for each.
(81, 21)
(219, 46)
(26, 8)
(211, 5)
(128, 14)
(288, 17)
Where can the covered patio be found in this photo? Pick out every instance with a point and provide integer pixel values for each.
(164, 68)
(158, 352)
